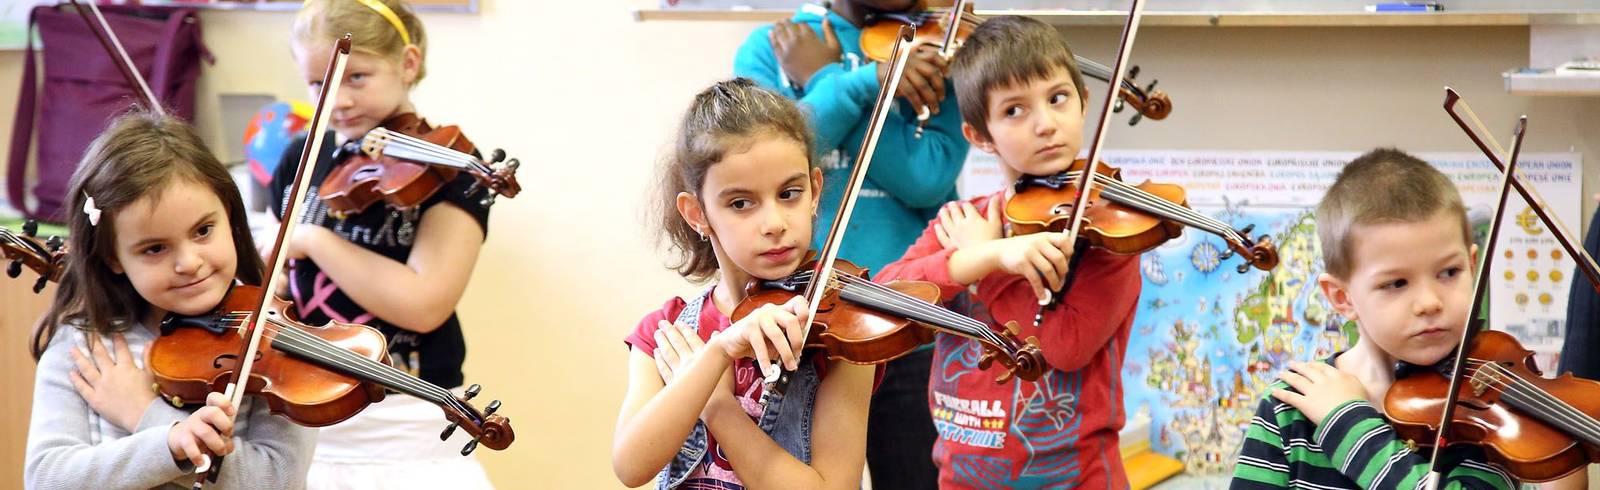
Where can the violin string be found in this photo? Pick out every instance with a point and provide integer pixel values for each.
(1153, 200)
(967, 327)
(320, 349)
(422, 145)
(419, 151)
(888, 297)
(1519, 391)
(426, 148)
(1537, 400)
(1153, 203)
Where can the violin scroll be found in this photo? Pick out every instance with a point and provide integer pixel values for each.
(45, 257)
(1022, 359)
(486, 428)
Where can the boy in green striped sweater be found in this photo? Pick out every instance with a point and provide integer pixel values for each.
(1399, 260)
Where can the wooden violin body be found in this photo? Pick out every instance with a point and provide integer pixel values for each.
(848, 331)
(194, 357)
(365, 179)
(1525, 422)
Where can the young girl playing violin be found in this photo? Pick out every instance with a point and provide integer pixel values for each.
(738, 197)
(401, 272)
(160, 229)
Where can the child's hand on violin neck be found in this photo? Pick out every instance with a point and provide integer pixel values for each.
(800, 52)
(208, 430)
(1041, 258)
(1321, 387)
(922, 83)
(961, 225)
(114, 387)
(779, 329)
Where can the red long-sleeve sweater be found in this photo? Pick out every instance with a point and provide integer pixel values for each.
(1059, 431)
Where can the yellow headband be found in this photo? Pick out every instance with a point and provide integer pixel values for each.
(389, 14)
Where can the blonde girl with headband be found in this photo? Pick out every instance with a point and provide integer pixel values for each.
(160, 229)
(401, 272)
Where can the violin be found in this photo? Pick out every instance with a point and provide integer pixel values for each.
(1124, 219)
(933, 27)
(45, 257)
(1538, 429)
(405, 161)
(314, 376)
(1493, 395)
(864, 322)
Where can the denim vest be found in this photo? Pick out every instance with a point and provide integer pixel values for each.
(787, 418)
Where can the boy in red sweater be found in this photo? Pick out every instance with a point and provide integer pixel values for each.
(1022, 99)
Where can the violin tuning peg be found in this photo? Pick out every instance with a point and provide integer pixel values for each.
(1226, 254)
(469, 448)
(1247, 228)
(1243, 268)
(14, 269)
(55, 243)
(448, 430)
(1151, 88)
(472, 391)
(30, 227)
(489, 410)
(1133, 72)
(497, 156)
(1116, 107)
(1135, 119)
(39, 284)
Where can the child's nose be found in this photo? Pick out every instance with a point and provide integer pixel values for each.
(1045, 126)
(187, 261)
(776, 222)
(1427, 302)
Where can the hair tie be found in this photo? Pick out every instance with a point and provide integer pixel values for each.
(90, 210)
(387, 13)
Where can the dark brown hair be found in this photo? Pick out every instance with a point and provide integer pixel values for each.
(721, 119)
(1005, 51)
(1385, 185)
(139, 154)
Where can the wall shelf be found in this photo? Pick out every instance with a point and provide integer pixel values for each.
(1191, 19)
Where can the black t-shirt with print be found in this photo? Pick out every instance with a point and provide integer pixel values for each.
(436, 356)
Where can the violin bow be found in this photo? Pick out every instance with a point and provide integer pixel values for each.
(1086, 178)
(119, 56)
(776, 379)
(1586, 263)
(291, 217)
(1480, 288)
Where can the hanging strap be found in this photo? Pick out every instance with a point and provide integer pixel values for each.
(22, 130)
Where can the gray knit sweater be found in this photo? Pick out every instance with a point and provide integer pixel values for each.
(71, 446)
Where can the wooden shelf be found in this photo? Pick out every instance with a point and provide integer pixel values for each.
(1192, 19)
(1521, 82)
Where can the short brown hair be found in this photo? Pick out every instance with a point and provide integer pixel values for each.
(138, 155)
(1005, 51)
(722, 118)
(1385, 185)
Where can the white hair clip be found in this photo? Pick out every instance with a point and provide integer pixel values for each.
(90, 210)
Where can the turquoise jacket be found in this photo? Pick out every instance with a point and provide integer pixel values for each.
(909, 178)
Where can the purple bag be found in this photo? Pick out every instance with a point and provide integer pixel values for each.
(82, 89)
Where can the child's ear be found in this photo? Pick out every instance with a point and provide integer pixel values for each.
(1338, 294)
(115, 265)
(689, 208)
(816, 190)
(976, 138)
(1472, 251)
(410, 63)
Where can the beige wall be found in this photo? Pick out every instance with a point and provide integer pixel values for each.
(586, 97)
